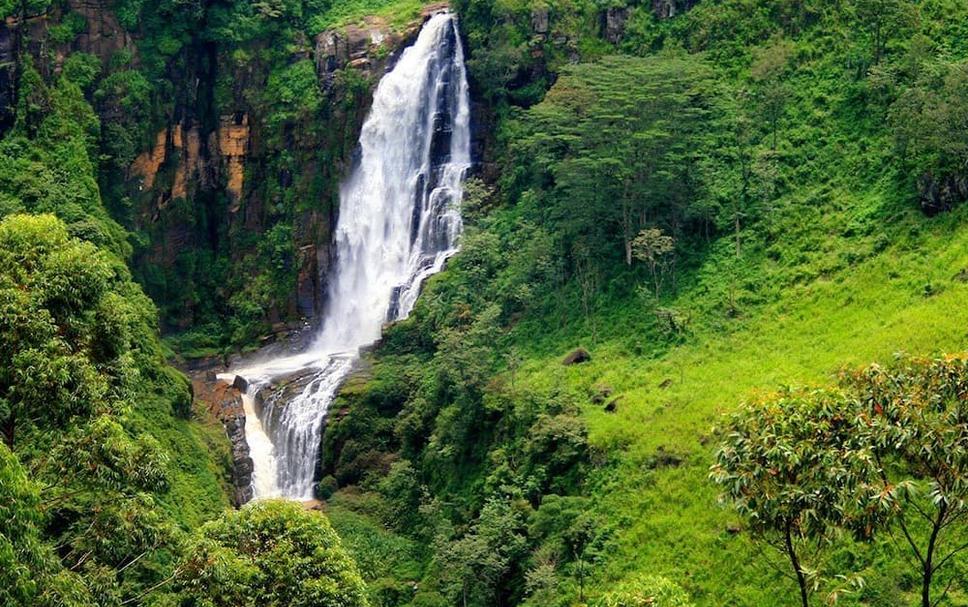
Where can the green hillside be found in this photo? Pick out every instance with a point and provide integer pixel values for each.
(782, 156)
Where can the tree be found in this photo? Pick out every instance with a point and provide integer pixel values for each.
(273, 553)
(64, 328)
(930, 125)
(571, 531)
(473, 566)
(914, 414)
(29, 571)
(795, 468)
(655, 248)
(767, 71)
(881, 20)
(614, 147)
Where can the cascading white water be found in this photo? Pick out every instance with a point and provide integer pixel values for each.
(398, 223)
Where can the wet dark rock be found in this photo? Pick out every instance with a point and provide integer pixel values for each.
(942, 194)
(600, 392)
(576, 357)
(612, 405)
(242, 465)
(332, 53)
(666, 9)
(613, 27)
(240, 383)
(664, 459)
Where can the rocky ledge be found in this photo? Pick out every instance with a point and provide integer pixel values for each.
(225, 402)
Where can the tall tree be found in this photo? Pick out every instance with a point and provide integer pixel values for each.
(795, 468)
(914, 414)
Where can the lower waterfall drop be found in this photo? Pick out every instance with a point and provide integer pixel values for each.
(399, 220)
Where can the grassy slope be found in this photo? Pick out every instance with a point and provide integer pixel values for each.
(671, 522)
(845, 272)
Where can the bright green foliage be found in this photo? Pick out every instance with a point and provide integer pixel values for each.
(646, 591)
(64, 334)
(889, 451)
(799, 248)
(915, 417)
(795, 467)
(293, 93)
(79, 341)
(29, 571)
(271, 553)
(621, 140)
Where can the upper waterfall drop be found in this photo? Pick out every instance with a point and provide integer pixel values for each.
(399, 220)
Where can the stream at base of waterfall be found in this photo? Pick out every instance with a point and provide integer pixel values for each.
(399, 220)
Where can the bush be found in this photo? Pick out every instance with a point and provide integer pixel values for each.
(271, 552)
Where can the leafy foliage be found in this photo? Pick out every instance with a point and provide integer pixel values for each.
(888, 450)
(269, 553)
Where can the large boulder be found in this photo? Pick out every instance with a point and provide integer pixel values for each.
(576, 357)
(540, 21)
(942, 194)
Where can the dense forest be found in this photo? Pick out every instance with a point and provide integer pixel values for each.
(705, 340)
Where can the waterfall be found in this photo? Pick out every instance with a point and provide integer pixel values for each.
(399, 220)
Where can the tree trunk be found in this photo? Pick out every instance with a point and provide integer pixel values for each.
(928, 570)
(792, 553)
(736, 227)
(581, 581)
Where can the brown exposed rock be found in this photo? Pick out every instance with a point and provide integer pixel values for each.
(188, 162)
(433, 8)
(146, 165)
(233, 140)
(225, 402)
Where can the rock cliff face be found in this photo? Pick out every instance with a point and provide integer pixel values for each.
(8, 74)
(938, 195)
(666, 9)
